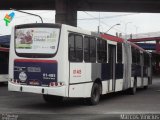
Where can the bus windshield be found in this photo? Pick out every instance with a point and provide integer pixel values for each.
(36, 40)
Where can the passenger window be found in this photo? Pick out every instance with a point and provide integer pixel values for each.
(75, 47)
(92, 50)
(89, 49)
(138, 56)
(134, 55)
(119, 52)
(79, 48)
(72, 55)
(86, 49)
(146, 59)
(101, 51)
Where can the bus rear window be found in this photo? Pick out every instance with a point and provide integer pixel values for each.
(36, 41)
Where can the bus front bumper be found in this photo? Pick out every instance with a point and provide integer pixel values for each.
(57, 91)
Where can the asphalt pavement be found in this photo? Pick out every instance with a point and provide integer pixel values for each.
(27, 105)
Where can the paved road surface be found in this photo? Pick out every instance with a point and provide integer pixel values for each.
(145, 101)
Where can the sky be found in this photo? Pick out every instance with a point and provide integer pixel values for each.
(130, 23)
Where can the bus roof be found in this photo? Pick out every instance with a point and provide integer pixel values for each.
(118, 39)
(112, 38)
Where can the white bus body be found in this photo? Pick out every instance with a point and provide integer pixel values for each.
(53, 59)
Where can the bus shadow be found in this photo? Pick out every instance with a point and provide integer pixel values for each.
(72, 102)
(120, 94)
(3, 84)
(60, 107)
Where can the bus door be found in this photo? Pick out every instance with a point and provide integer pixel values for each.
(127, 66)
(112, 62)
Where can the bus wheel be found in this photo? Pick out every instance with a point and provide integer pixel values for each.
(145, 87)
(52, 99)
(132, 91)
(95, 94)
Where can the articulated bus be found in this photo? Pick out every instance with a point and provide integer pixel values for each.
(4, 60)
(60, 61)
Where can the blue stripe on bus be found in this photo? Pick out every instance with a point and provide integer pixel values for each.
(119, 71)
(36, 73)
(103, 71)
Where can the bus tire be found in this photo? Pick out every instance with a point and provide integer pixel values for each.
(52, 99)
(132, 91)
(95, 94)
(145, 87)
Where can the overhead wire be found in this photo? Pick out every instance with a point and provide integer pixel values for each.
(106, 17)
(30, 15)
(100, 20)
(93, 18)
